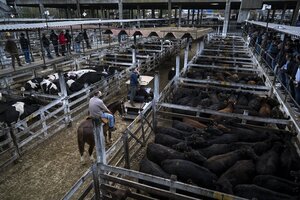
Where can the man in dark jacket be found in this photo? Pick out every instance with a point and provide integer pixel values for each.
(46, 45)
(54, 40)
(25, 47)
(86, 39)
(69, 39)
(134, 82)
(11, 48)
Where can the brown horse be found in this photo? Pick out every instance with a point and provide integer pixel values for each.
(85, 130)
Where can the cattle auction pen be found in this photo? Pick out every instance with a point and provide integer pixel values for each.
(61, 110)
(108, 175)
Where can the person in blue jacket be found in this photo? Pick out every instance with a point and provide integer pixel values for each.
(134, 82)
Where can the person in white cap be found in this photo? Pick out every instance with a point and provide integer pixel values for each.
(98, 109)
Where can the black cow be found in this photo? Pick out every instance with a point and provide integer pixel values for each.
(189, 171)
(220, 163)
(90, 78)
(241, 172)
(268, 163)
(173, 132)
(158, 153)
(260, 193)
(166, 140)
(215, 149)
(277, 184)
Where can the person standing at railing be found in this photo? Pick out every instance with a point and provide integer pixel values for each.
(11, 48)
(286, 70)
(46, 45)
(68, 41)
(86, 39)
(54, 40)
(62, 41)
(78, 41)
(297, 81)
(272, 52)
(25, 48)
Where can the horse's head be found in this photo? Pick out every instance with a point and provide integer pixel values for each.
(117, 106)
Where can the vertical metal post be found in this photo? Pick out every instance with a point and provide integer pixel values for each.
(31, 55)
(126, 149)
(42, 50)
(180, 15)
(186, 56)
(295, 14)
(100, 37)
(81, 29)
(138, 16)
(155, 99)
(201, 17)
(169, 11)
(161, 45)
(120, 5)
(267, 26)
(226, 18)
(72, 40)
(134, 57)
(188, 17)
(283, 13)
(63, 90)
(152, 13)
(96, 182)
(198, 16)
(99, 141)
(177, 66)
(78, 9)
(193, 16)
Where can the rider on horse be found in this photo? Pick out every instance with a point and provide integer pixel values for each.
(98, 109)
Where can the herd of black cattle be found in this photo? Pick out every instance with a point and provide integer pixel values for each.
(225, 156)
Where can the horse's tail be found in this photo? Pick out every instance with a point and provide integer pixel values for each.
(80, 140)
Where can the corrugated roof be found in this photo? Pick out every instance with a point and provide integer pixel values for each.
(44, 25)
(291, 30)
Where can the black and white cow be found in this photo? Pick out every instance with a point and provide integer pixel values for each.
(77, 74)
(49, 87)
(33, 84)
(74, 86)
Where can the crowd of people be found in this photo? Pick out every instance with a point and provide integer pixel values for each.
(62, 45)
(281, 55)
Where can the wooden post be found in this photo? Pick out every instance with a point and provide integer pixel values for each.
(96, 182)
(126, 149)
(186, 55)
(155, 99)
(99, 141)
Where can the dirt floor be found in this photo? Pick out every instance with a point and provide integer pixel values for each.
(49, 170)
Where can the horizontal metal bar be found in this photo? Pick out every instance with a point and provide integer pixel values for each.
(166, 182)
(250, 69)
(78, 184)
(223, 114)
(224, 83)
(226, 57)
(226, 51)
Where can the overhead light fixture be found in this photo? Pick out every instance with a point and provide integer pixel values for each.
(84, 14)
(214, 4)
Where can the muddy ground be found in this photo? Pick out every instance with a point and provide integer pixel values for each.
(49, 170)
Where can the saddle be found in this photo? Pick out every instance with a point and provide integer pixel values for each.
(103, 120)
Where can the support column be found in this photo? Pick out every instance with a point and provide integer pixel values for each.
(144, 13)
(169, 11)
(201, 17)
(273, 15)
(139, 16)
(120, 5)
(226, 18)
(175, 13)
(188, 17)
(295, 14)
(78, 9)
(42, 9)
(180, 14)
(160, 13)
(193, 16)
(198, 16)
(283, 14)
(131, 14)
(152, 13)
